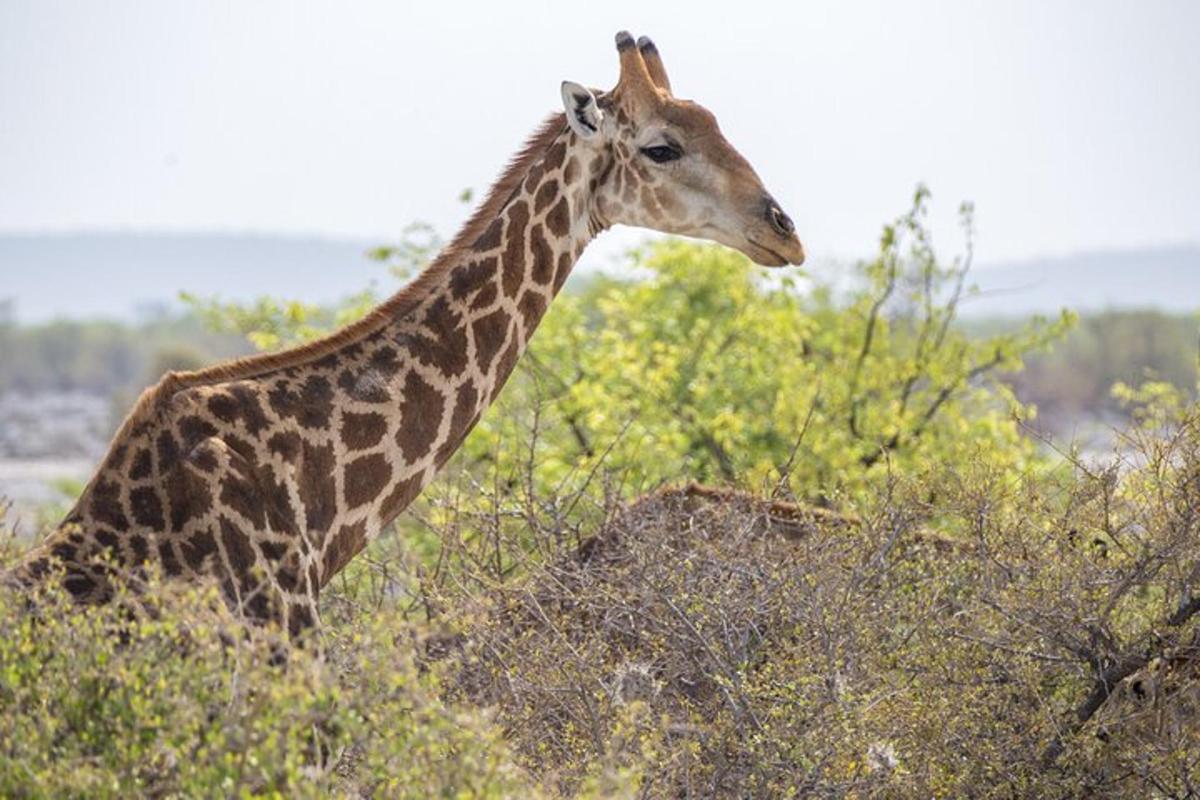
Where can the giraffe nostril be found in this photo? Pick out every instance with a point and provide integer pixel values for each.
(780, 221)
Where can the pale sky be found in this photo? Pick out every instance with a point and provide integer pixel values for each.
(1072, 125)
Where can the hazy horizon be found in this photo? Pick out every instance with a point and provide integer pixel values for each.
(144, 272)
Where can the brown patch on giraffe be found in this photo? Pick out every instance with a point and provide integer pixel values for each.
(365, 478)
(198, 548)
(360, 431)
(108, 541)
(469, 278)
(147, 509)
(420, 417)
(224, 408)
(317, 486)
(507, 362)
(562, 271)
(259, 606)
(571, 171)
(203, 459)
(461, 420)
(277, 502)
(239, 403)
(290, 572)
(385, 361)
(137, 546)
(559, 218)
(240, 554)
(489, 332)
(236, 444)
(193, 431)
(167, 449)
(485, 298)
(143, 465)
(331, 360)
(345, 545)
(534, 176)
(555, 155)
(491, 237)
(188, 496)
(545, 196)
(446, 349)
(115, 459)
(105, 505)
(542, 270)
(401, 495)
(78, 585)
(286, 444)
(168, 558)
(364, 385)
(239, 493)
(36, 569)
(64, 552)
(250, 405)
(311, 406)
(464, 406)
(300, 619)
(514, 252)
(532, 307)
(272, 551)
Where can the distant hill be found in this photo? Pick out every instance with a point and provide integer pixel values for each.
(113, 275)
(1166, 278)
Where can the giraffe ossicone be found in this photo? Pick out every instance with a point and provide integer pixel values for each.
(269, 473)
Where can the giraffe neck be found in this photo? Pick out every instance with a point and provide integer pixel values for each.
(448, 353)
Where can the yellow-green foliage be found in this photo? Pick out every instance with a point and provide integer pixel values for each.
(175, 699)
(714, 370)
(970, 634)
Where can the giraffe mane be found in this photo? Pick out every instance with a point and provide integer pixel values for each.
(400, 303)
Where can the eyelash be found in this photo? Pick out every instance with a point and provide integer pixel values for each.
(662, 153)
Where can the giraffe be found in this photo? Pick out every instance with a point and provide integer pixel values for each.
(270, 473)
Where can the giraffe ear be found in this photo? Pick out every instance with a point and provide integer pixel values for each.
(583, 115)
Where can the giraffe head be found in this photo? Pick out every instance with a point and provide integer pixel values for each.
(667, 166)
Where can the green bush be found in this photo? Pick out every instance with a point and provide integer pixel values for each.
(162, 694)
(714, 370)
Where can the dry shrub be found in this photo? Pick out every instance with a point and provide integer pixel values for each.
(964, 633)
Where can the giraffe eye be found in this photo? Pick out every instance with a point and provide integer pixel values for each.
(662, 153)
